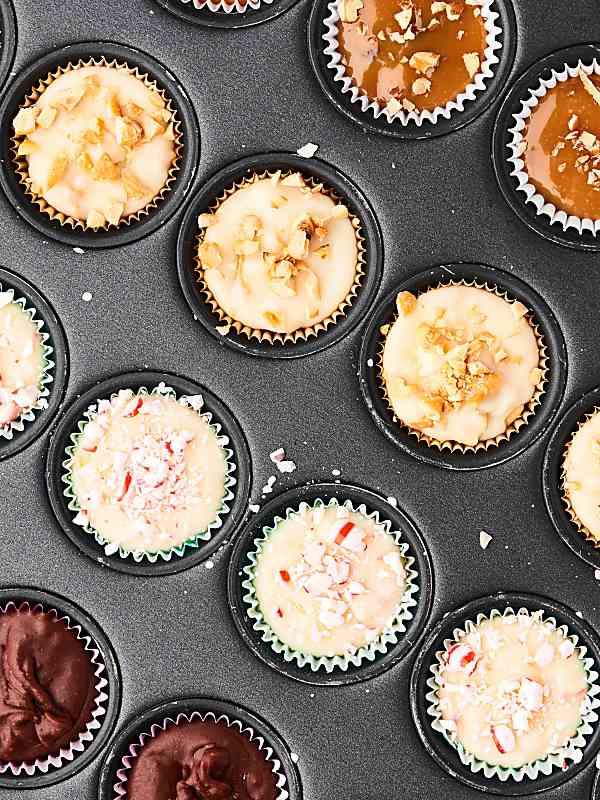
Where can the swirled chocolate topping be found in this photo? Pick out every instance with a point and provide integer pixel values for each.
(47, 686)
(201, 761)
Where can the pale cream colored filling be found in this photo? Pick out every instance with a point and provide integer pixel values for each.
(326, 587)
(279, 256)
(99, 144)
(460, 363)
(148, 478)
(21, 360)
(582, 474)
(518, 686)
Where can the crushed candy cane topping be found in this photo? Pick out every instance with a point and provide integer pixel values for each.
(20, 361)
(150, 466)
(338, 577)
(511, 690)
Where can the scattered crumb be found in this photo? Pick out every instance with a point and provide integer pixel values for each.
(308, 151)
(484, 539)
(283, 465)
(254, 508)
(223, 330)
(209, 565)
(295, 757)
(597, 574)
(369, 362)
(335, 472)
(579, 614)
(268, 487)
(78, 250)
(392, 501)
(86, 297)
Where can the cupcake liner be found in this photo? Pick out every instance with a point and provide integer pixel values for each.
(517, 145)
(228, 323)
(18, 425)
(66, 754)
(193, 542)
(370, 105)
(516, 424)
(233, 6)
(581, 528)
(120, 788)
(369, 652)
(573, 750)
(21, 166)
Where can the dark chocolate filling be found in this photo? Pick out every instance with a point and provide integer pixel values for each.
(47, 686)
(201, 761)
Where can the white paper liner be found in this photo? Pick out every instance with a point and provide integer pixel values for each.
(372, 106)
(120, 788)
(47, 377)
(573, 750)
(390, 635)
(110, 548)
(66, 754)
(556, 216)
(229, 7)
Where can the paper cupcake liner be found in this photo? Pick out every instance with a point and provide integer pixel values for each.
(120, 788)
(516, 425)
(581, 528)
(572, 751)
(21, 165)
(228, 323)
(236, 7)
(517, 145)
(66, 754)
(388, 637)
(193, 542)
(47, 377)
(372, 106)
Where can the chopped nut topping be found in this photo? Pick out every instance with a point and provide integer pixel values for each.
(424, 62)
(26, 148)
(590, 86)
(472, 63)
(127, 133)
(210, 255)
(70, 98)
(393, 105)
(205, 220)
(151, 128)
(115, 212)
(454, 10)
(25, 121)
(349, 9)
(406, 303)
(47, 117)
(133, 186)
(105, 169)
(421, 86)
(56, 171)
(294, 180)
(84, 162)
(404, 17)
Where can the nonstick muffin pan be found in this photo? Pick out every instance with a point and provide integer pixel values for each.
(252, 91)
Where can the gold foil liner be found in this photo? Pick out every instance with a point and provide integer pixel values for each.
(581, 528)
(228, 323)
(22, 168)
(516, 425)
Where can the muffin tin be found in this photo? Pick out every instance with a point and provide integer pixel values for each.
(249, 92)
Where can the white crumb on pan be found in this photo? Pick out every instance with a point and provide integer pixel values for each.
(308, 150)
(484, 539)
(86, 297)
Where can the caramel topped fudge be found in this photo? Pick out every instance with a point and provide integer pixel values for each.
(279, 254)
(562, 146)
(99, 144)
(412, 54)
(460, 363)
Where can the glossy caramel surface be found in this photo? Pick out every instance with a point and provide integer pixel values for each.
(563, 149)
(377, 50)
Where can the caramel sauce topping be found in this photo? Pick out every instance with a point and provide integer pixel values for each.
(412, 54)
(562, 156)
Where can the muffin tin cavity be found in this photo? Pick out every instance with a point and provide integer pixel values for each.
(120, 747)
(183, 172)
(453, 121)
(502, 137)
(85, 541)
(465, 458)
(59, 357)
(187, 11)
(552, 470)
(367, 669)
(8, 39)
(437, 746)
(112, 690)
(371, 257)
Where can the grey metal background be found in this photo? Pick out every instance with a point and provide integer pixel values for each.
(253, 91)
